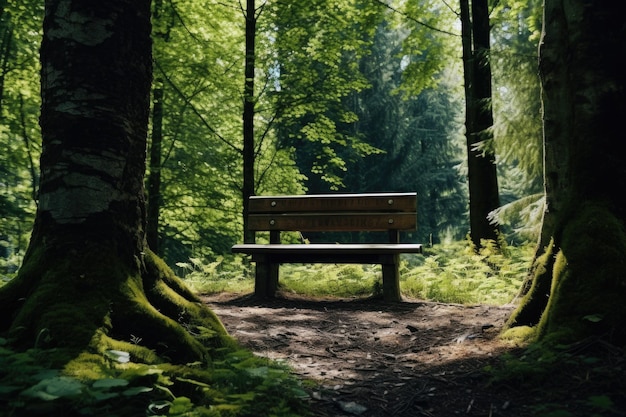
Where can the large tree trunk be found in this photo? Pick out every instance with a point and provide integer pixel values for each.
(579, 283)
(88, 281)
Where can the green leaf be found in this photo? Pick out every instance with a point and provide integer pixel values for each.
(5, 352)
(110, 383)
(300, 393)
(194, 382)
(136, 391)
(7, 389)
(165, 390)
(103, 396)
(159, 407)
(261, 372)
(53, 388)
(594, 318)
(600, 401)
(180, 406)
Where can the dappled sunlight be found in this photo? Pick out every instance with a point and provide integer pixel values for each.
(370, 352)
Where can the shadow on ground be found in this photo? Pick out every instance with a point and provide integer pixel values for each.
(370, 358)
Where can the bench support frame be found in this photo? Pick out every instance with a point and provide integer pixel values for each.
(267, 269)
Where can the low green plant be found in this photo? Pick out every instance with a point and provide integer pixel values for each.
(232, 273)
(9, 265)
(451, 273)
(579, 379)
(454, 273)
(330, 280)
(238, 385)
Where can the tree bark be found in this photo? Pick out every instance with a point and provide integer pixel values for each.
(154, 178)
(481, 164)
(248, 117)
(578, 286)
(88, 281)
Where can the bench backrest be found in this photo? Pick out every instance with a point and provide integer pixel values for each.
(333, 212)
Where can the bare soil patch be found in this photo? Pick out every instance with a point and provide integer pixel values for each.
(371, 358)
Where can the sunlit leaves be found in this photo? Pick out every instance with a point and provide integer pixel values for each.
(201, 63)
(429, 45)
(319, 45)
(20, 138)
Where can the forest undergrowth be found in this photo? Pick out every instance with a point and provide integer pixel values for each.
(452, 273)
(241, 382)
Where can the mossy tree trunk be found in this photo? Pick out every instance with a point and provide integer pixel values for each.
(88, 281)
(578, 285)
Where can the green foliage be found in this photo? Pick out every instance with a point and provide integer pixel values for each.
(238, 384)
(329, 78)
(454, 273)
(318, 48)
(200, 68)
(579, 379)
(331, 280)
(421, 147)
(226, 274)
(516, 26)
(399, 142)
(428, 46)
(447, 273)
(20, 138)
(521, 219)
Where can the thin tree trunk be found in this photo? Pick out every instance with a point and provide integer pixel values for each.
(248, 117)
(154, 178)
(155, 199)
(6, 49)
(482, 175)
(27, 146)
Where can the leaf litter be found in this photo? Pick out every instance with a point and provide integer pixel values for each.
(369, 358)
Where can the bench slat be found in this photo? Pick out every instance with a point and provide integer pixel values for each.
(328, 253)
(400, 202)
(330, 248)
(317, 222)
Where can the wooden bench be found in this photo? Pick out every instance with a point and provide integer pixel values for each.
(382, 212)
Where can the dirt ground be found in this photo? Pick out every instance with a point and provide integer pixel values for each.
(370, 358)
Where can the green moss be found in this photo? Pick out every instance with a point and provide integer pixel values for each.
(519, 336)
(532, 304)
(98, 324)
(158, 270)
(12, 293)
(171, 296)
(589, 278)
(87, 367)
(137, 352)
(66, 305)
(136, 318)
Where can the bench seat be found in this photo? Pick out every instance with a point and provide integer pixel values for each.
(336, 253)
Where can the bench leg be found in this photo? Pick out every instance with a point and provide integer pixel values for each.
(266, 279)
(391, 280)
